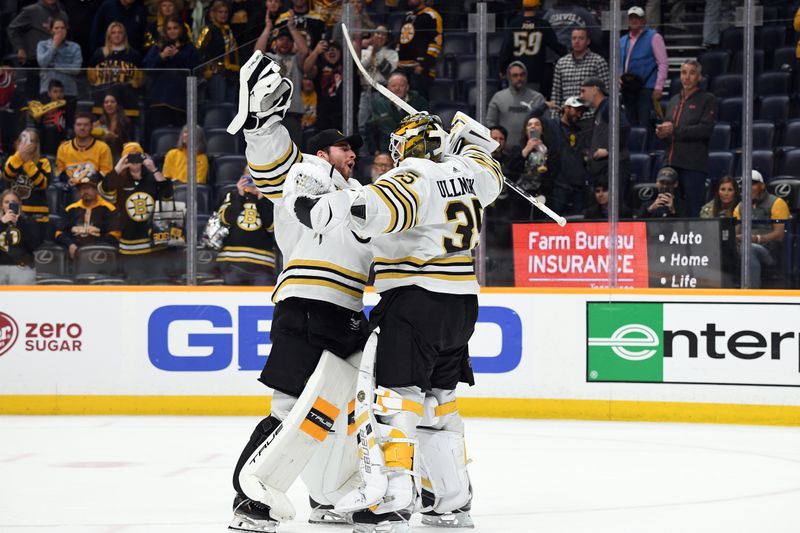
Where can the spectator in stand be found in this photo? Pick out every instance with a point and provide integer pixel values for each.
(766, 245)
(172, 56)
(50, 117)
(176, 163)
(726, 198)
(90, 220)
(501, 154)
(593, 94)
(309, 96)
(218, 47)
(527, 39)
(19, 237)
(599, 211)
(134, 186)
(420, 45)
(308, 21)
(512, 106)
(324, 66)
(248, 252)
(155, 28)
(29, 175)
(290, 52)
(83, 155)
(386, 116)
(643, 69)
(566, 16)
(569, 183)
(63, 57)
(686, 133)
(796, 25)
(579, 65)
(380, 61)
(666, 204)
(113, 127)
(130, 13)
(536, 170)
(361, 21)
(27, 29)
(381, 164)
(9, 105)
(116, 67)
(712, 15)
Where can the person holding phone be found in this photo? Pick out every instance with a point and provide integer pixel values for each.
(665, 204)
(248, 252)
(19, 237)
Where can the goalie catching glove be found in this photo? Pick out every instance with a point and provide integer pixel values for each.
(310, 197)
(264, 96)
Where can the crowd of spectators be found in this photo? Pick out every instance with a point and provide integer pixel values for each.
(93, 150)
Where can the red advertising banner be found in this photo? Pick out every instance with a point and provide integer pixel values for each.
(547, 255)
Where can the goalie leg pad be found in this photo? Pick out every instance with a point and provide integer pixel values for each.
(276, 463)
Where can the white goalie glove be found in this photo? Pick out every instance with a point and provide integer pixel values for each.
(310, 197)
(264, 96)
(465, 130)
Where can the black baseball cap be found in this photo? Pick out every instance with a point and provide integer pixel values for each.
(329, 137)
(595, 82)
(667, 173)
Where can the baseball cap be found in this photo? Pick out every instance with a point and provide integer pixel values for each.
(667, 173)
(574, 101)
(132, 148)
(91, 179)
(329, 137)
(284, 32)
(757, 176)
(595, 82)
(636, 11)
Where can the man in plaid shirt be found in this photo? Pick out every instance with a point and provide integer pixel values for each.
(581, 64)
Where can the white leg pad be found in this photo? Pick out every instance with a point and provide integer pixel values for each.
(444, 467)
(277, 463)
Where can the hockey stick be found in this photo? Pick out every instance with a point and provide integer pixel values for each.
(402, 104)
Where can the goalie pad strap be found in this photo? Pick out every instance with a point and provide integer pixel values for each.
(389, 402)
(445, 409)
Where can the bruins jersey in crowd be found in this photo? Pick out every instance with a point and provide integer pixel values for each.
(119, 66)
(29, 179)
(333, 268)
(421, 40)
(136, 203)
(18, 241)
(90, 224)
(153, 32)
(438, 207)
(72, 159)
(251, 238)
(218, 43)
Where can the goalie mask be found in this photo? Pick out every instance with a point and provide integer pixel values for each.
(419, 135)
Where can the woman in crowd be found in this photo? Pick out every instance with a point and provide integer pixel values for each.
(165, 9)
(533, 163)
(19, 237)
(29, 174)
(726, 198)
(113, 127)
(176, 164)
(175, 54)
(217, 47)
(116, 65)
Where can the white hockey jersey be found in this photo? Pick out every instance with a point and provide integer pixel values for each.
(425, 218)
(332, 268)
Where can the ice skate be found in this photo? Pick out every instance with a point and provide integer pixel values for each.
(369, 522)
(325, 514)
(249, 515)
(458, 518)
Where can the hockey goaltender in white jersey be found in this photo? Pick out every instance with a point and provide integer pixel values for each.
(423, 219)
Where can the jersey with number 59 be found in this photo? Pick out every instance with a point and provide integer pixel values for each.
(425, 218)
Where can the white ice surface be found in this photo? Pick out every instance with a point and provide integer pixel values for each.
(172, 475)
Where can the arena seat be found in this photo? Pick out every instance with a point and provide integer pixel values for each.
(791, 134)
(774, 109)
(788, 189)
(791, 163)
(640, 167)
(442, 90)
(642, 193)
(727, 85)
(730, 110)
(220, 142)
(770, 37)
(720, 164)
(656, 162)
(763, 135)
(637, 139)
(732, 39)
(763, 161)
(720, 137)
(737, 65)
(228, 168)
(715, 62)
(162, 140)
(783, 56)
(51, 261)
(458, 44)
(773, 84)
(470, 91)
(203, 196)
(95, 260)
(218, 115)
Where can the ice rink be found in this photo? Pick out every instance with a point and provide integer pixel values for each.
(171, 475)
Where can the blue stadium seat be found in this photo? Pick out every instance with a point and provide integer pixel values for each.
(220, 142)
(495, 44)
(727, 86)
(447, 111)
(770, 37)
(228, 168)
(791, 163)
(783, 56)
(55, 198)
(787, 188)
(720, 137)
(774, 109)
(51, 261)
(642, 193)
(637, 139)
(162, 140)
(470, 90)
(458, 44)
(442, 90)
(730, 110)
(737, 65)
(763, 135)
(720, 164)
(218, 116)
(465, 68)
(791, 134)
(640, 167)
(203, 196)
(763, 161)
(732, 39)
(773, 83)
(715, 62)
(656, 162)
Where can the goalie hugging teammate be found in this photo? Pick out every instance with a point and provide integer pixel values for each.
(374, 434)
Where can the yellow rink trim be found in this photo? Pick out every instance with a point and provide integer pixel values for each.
(618, 410)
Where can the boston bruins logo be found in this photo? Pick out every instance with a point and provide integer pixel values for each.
(407, 33)
(9, 238)
(248, 219)
(139, 206)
